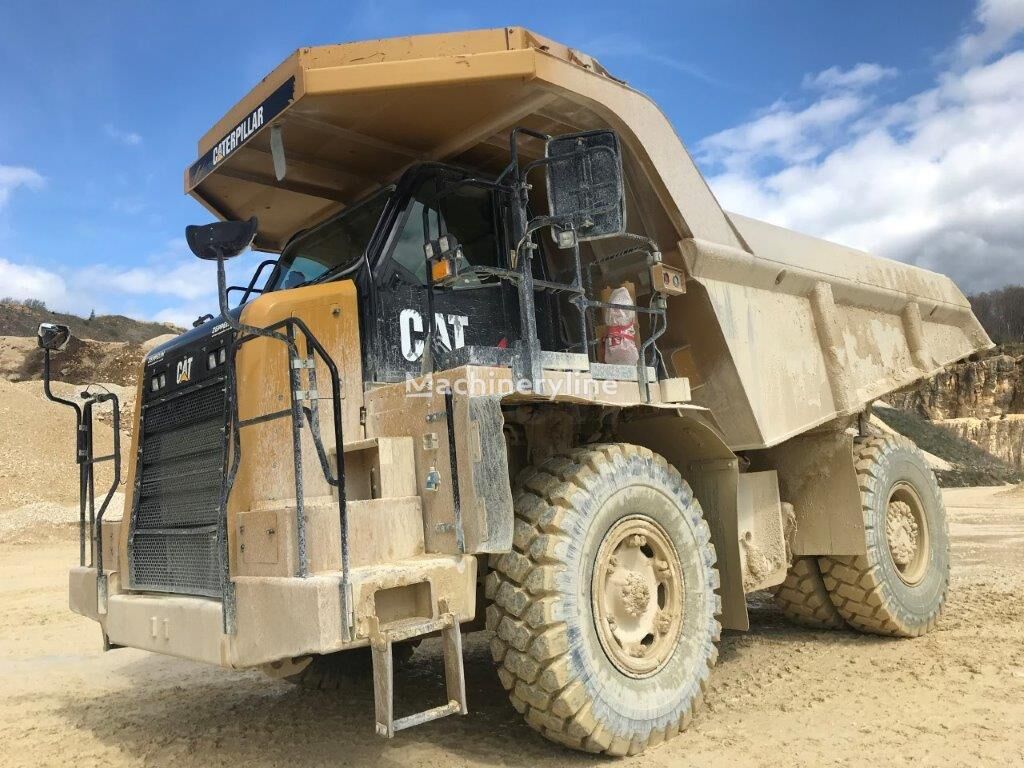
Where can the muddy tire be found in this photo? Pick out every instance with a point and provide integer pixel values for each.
(605, 532)
(804, 599)
(899, 587)
(340, 670)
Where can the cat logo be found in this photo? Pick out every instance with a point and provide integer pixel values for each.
(410, 325)
(184, 371)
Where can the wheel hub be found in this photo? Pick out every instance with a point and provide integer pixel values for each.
(638, 596)
(906, 533)
(901, 529)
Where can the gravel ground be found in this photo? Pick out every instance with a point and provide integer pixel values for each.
(779, 696)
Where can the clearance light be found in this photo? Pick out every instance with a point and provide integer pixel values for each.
(441, 271)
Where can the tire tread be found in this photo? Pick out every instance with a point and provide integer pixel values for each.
(532, 647)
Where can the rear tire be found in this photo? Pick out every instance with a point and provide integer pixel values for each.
(605, 610)
(899, 587)
(804, 599)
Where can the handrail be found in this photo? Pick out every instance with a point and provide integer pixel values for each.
(298, 413)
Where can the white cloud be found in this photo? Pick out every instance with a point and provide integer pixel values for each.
(936, 179)
(14, 176)
(128, 138)
(24, 281)
(856, 77)
(172, 282)
(789, 134)
(797, 132)
(997, 23)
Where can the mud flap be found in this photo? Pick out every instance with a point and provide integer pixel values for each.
(485, 491)
(817, 476)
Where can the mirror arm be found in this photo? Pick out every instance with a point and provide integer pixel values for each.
(49, 394)
(513, 141)
(239, 327)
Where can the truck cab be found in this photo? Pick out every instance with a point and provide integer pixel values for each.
(378, 242)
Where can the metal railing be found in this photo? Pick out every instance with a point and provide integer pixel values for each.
(299, 393)
(90, 520)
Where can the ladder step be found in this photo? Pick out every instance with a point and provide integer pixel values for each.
(381, 643)
(405, 629)
(451, 708)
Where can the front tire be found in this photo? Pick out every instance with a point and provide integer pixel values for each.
(605, 610)
(899, 586)
(343, 669)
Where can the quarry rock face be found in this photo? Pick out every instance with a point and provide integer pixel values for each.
(1001, 436)
(981, 401)
(978, 389)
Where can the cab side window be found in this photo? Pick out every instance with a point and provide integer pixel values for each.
(468, 214)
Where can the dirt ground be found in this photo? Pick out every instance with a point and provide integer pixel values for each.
(779, 696)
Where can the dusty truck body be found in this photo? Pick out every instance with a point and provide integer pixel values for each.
(418, 417)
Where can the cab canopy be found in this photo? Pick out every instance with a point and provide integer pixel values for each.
(350, 118)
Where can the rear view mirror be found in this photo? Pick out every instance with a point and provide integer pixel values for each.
(585, 186)
(222, 239)
(53, 336)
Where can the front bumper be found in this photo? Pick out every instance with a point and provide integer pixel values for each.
(278, 618)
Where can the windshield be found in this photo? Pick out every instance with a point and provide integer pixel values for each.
(333, 247)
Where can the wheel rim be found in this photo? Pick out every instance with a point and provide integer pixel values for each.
(906, 533)
(637, 594)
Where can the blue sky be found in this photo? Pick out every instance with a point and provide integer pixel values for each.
(891, 126)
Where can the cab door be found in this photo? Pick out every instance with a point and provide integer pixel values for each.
(478, 312)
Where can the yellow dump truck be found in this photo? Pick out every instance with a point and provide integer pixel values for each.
(510, 366)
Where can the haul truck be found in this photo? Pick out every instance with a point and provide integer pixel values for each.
(419, 417)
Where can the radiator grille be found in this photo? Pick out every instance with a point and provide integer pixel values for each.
(174, 544)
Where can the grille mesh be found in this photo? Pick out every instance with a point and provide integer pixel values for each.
(177, 511)
(181, 442)
(187, 408)
(177, 561)
(174, 544)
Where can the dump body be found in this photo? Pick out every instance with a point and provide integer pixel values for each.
(779, 333)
